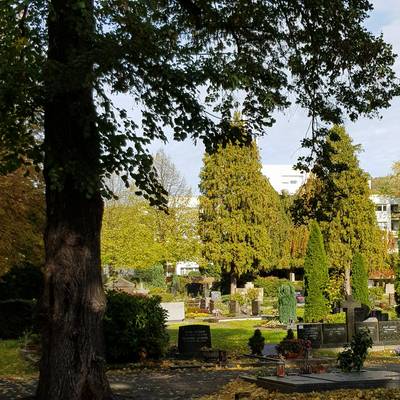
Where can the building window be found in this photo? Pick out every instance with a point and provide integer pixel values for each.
(381, 207)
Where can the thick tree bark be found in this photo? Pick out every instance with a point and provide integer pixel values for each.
(347, 281)
(72, 365)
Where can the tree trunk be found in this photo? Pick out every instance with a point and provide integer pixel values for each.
(233, 284)
(73, 304)
(347, 281)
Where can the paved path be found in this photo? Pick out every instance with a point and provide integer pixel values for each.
(143, 385)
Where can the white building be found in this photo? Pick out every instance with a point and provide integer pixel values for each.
(387, 210)
(284, 177)
(185, 267)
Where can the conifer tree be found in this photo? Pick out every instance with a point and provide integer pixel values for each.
(286, 303)
(242, 223)
(337, 196)
(316, 277)
(359, 279)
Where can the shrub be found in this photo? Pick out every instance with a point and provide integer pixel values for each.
(270, 284)
(22, 282)
(134, 326)
(286, 303)
(17, 317)
(375, 294)
(162, 293)
(290, 346)
(316, 277)
(359, 279)
(355, 354)
(153, 277)
(256, 342)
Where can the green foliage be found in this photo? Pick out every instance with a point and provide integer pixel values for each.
(22, 219)
(286, 303)
(337, 197)
(153, 277)
(355, 354)
(24, 282)
(270, 284)
(316, 277)
(388, 185)
(290, 346)
(242, 223)
(134, 325)
(256, 342)
(359, 279)
(375, 294)
(16, 317)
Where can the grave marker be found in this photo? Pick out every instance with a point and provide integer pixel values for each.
(349, 305)
(192, 338)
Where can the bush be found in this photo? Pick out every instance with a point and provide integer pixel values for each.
(286, 303)
(16, 318)
(22, 282)
(270, 284)
(153, 277)
(375, 294)
(316, 276)
(134, 327)
(292, 347)
(256, 342)
(354, 355)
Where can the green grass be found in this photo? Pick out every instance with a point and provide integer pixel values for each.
(11, 362)
(231, 336)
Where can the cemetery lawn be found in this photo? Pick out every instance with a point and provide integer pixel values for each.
(11, 362)
(231, 336)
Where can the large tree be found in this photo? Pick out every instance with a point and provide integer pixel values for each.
(337, 196)
(60, 64)
(388, 185)
(241, 217)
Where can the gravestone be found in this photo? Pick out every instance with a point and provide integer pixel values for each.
(234, 307)
(192, 338)
(311, 332)
(204, 303)
(361, 313)
(175, 310)
(255, 307)
(349, 305)
(215, 295)
(334, 334)
(373, 329)
(389, 332)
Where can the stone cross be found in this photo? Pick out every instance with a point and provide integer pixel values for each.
(349, 305)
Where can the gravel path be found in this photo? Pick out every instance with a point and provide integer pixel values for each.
(142, 385)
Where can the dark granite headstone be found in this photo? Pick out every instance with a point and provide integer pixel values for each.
(361, 313)
(373, 329)
(384, 317)
(191, 338)
(389, 332)
(376, 314)
(334, 334)
(311, 332)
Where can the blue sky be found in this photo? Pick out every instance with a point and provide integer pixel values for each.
(281, 144)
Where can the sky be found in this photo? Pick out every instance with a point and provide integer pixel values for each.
(378, 137)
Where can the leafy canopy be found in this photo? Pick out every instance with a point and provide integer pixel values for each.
(163, 53)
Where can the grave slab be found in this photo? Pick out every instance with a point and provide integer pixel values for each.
(329, 381)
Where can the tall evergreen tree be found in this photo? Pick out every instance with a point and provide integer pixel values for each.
(359, 279)
(316, 277)
(242, 223)
(337, 196)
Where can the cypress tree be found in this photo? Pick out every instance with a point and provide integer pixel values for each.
(337, 196)
(359, 279)
(316, 277)
(242, 222)
(286, 303)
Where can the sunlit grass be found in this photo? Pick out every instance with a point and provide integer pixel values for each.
(231, 336)
(11, 362)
